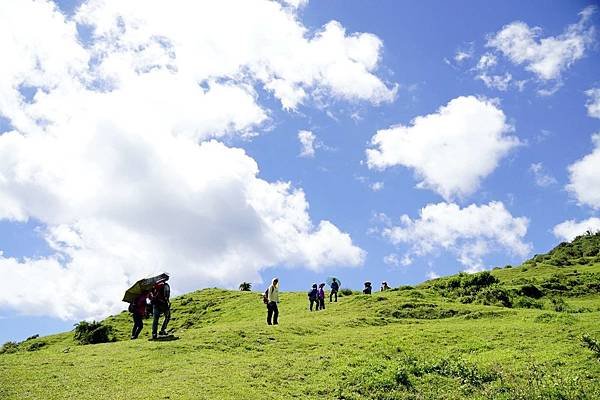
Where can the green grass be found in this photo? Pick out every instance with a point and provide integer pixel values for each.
(415, 343)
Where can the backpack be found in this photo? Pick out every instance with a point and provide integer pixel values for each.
(158, 294)
(266, 296)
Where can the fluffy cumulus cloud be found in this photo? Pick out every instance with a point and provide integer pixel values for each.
(114, 144)
(584, 179)
(593, 102)
(470, 233)
(307, 143)
(451, 150)
(546, 57)
(570, 229)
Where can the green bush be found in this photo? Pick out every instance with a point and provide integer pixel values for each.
(559, 304)
(93, 332)
(527, 302)
(9, 347)
(531, 290)
(592, 344)
(345, 292)
(36, 346)
(494, 295)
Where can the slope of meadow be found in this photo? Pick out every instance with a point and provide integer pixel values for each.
(516, 333)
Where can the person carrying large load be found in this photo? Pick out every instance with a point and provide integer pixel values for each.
(137, 297)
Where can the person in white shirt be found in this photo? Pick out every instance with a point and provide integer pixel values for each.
(273, 299)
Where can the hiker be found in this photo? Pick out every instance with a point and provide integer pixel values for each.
(159, 298)
(335, 286)
(321, 297)
(272, 300)
(384, 286)
(367, 289)
(312, 297)
(138, 310)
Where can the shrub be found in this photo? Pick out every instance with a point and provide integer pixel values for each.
(480, 280)
(93, 332)
(494, 295)
(36, 346)
(592, 344)
(9, 347)
(346, 292)
(559, 304)
(527, 302)
(245, 286)
(531, 291)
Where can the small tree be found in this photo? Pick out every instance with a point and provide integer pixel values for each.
(245, 286)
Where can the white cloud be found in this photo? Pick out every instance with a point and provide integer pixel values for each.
(470, 233)
(115, 154)
(296, 3)
(499, 82)
(451, 150)
(432, 275)
(584, 179)
(593, 103)
(546, 57)
(393, 260)
(486, 61)
(307, 141)
(377, 186)
(570, 229)
(542, 178)
(460, 56)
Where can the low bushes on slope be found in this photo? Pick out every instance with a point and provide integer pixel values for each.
(93, 332)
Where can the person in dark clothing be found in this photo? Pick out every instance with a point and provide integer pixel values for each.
(138, 312)
(335, 286)
(321, 297)
(312, 297)
(160, 305)
(368, 288)
(272, 300)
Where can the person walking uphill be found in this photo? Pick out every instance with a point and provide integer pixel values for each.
(138, 310)
(312, 297)
(160, 305)
(272, 300)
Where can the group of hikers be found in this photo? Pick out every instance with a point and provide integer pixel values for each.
(316, 297)
(155, 301)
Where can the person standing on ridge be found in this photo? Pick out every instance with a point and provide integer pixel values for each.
(160, 305)
(272, 301)
(368, 288)
(335, 286)
(321, 296)
(312, 298)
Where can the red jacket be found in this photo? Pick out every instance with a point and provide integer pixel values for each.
(140, 304)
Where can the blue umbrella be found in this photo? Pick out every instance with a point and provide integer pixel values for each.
(330, 281)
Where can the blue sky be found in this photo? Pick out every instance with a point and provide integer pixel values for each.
(122, 150)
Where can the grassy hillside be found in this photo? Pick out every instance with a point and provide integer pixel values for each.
(516, 333)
